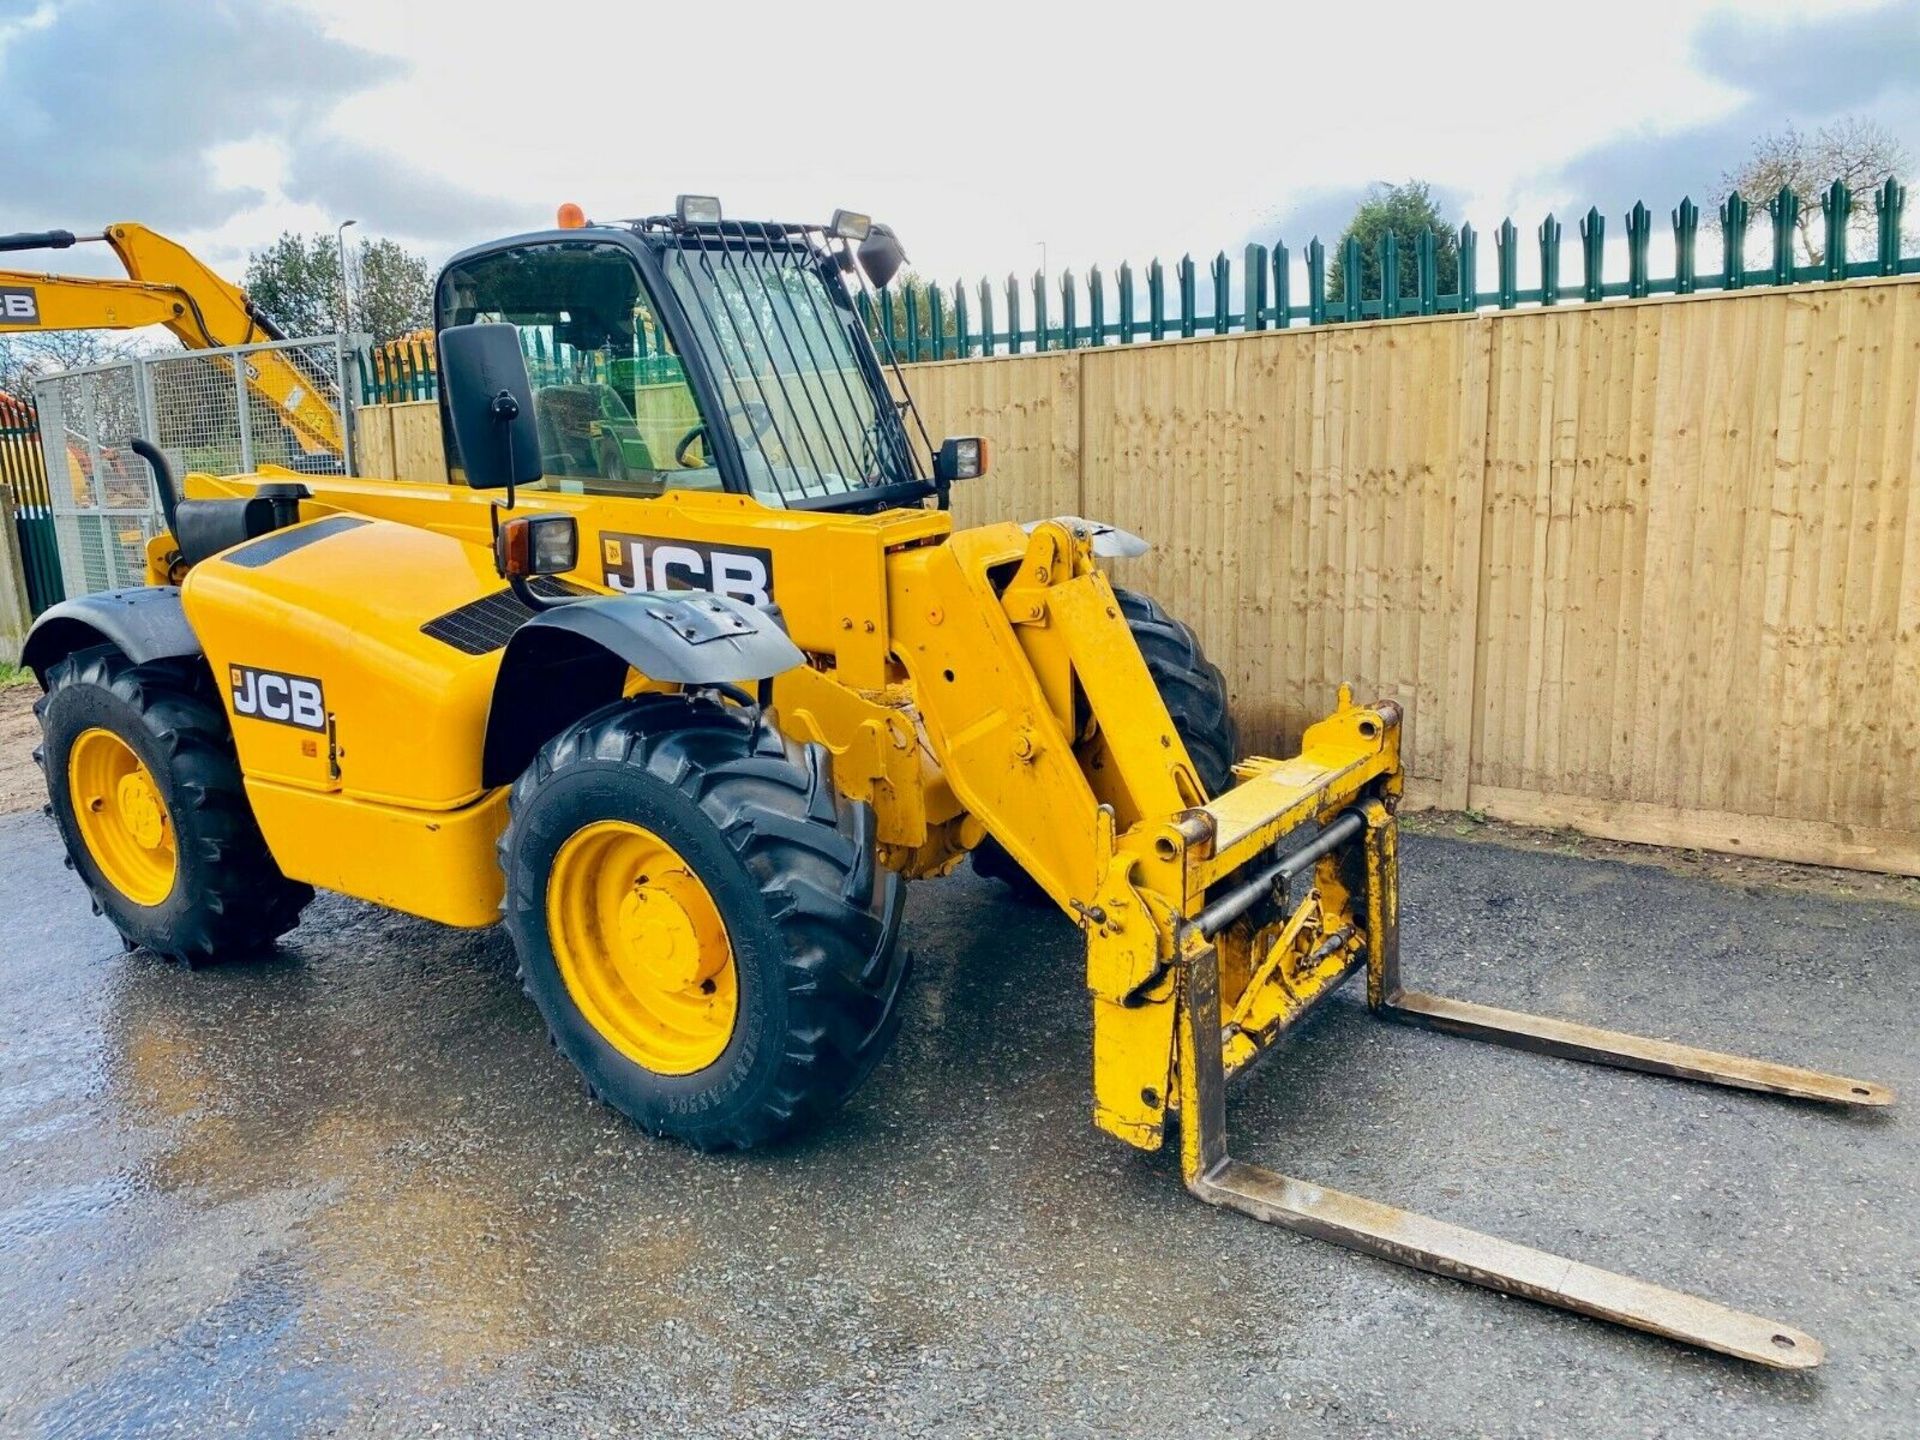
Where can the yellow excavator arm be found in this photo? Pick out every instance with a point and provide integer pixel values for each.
(169, 286)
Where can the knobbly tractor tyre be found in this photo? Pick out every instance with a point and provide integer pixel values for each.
(144, 783)
(700, 920)
(1191, 686)
(1195, 694)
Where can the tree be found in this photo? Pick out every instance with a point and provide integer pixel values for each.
(296, 281)
(1407, 211)
(26, 357)
(1862, 153)
(911, 281)
(392, 291)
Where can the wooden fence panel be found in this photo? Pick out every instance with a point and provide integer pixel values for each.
(1649, 569)
(1030, 407)
(1299, 518)
(400, 442)
(373, 441)
(419, 450)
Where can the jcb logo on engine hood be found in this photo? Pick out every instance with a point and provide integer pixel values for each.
(19, 305)
(283, 699)
(650, 562)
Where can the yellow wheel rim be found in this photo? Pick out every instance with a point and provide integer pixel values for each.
(121, 816)
(641, 947)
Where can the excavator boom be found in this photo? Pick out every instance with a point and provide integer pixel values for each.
(168, 286)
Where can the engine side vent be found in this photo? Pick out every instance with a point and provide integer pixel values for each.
(482, 626)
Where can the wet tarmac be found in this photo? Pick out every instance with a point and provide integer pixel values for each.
(349, 1190)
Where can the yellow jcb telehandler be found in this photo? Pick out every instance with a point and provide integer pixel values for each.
(689, 670)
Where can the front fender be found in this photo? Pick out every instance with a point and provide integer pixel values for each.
(568, 661)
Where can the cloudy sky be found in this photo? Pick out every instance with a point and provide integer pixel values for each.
(982, 131)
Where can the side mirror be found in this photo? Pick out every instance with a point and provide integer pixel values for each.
(490, 402)
(881, 256)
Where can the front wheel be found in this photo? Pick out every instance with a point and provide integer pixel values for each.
(701, 921)
(1195, 694)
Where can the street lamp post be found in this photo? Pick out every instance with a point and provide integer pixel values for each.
(340, 243)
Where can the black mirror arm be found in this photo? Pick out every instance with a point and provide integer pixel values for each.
(504, 410)
(533, 599)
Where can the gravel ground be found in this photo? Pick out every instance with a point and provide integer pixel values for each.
(349, 1190)
(21, 787)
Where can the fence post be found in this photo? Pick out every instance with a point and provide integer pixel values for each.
(241, 408)
(1460, 697)
(1639, 239)
(1253, 302)
(1506, 263)
(1838, 205)
(1888, 202)
(16, 614)
(1686, 226)
(347, 408)
(1469, 270)
(1734, 212)
(1549, 261)
(1785, 210)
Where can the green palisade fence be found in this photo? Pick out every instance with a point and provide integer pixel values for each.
(23, 471)
(925, 322)
(1205, 299)
(404, 369)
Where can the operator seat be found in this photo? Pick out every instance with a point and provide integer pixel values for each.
(576, 423)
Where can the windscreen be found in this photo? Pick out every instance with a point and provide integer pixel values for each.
(809, 408)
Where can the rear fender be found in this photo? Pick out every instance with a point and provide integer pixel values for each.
(144, 623)
(568, 661)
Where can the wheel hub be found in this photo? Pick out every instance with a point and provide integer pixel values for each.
(141, 810)
(659, 940)
(641, 947)
(121, 816)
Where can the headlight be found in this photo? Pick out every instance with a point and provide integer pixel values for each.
(961, 458)
(697, 209)
(537, 545)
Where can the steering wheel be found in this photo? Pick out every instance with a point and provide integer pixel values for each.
(756, 415)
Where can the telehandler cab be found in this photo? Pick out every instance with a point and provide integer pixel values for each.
(707, 681)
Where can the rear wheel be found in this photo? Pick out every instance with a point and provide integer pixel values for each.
(144, 784)
(701, 921)
(1195, 694)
